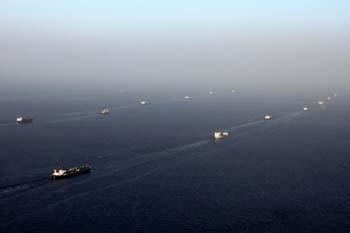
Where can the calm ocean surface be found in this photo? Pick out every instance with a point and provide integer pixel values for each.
(156, 168)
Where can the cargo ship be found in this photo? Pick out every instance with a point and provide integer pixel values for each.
(23, 120)
(268, 117)
(62, 173)
(145, 103)
(105, 111)
(220, 135)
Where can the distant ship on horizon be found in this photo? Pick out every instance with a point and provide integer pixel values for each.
(268, 117)
(105, 111)
(145, 103)
(23, 120)
(220, 135)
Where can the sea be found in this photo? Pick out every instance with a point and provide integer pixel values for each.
(157, 168)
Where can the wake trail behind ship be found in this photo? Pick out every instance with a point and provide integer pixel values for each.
(7, 124)
(23, 186)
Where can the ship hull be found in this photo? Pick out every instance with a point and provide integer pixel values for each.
(26, 121)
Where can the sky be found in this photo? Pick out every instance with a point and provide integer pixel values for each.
(162, 43)
(142, 13)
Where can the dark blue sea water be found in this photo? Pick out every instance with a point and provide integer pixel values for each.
(156, 168)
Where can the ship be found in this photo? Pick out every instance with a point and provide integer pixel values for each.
(145, 103)
(105, 111)
(23, 120)
(320, 102)
(188, 97)
(306, 108)
(220, 135)
(62, 173)
(268, 117)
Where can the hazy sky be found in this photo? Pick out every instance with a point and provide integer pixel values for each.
(167, 43)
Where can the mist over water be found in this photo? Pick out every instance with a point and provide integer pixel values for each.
(278, 59)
